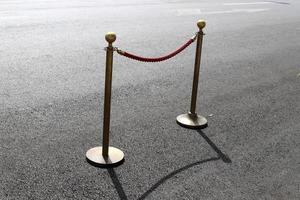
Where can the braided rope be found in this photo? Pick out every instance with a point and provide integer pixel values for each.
(158, 59)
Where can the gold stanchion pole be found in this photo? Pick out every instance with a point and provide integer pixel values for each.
(106, 156)
(191, 119)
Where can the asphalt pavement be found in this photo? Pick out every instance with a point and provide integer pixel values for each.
(52, 67)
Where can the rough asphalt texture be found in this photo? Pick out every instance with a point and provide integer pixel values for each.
(51, 98)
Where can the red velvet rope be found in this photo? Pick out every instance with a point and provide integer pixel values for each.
(159, 59)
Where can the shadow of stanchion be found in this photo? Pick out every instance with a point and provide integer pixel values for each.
(170, 175)
(117, 184)
(120, 189)
(223, 157)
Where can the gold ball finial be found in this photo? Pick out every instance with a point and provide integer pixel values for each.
(201, 24)
(110, 37)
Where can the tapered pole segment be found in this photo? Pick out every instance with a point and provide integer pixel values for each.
(110, 38)
(191, 119)
(106, 156)
(201, 25)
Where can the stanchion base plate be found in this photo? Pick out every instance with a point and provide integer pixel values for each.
(192, 121)
(95, 158)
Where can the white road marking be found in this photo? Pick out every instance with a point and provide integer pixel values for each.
(246, 3)
(256, 10)
(184, 12)
(235, 11)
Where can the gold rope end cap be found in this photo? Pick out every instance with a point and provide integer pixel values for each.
(201, 24)
(110, 37)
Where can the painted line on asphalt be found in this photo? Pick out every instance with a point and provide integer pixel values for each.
(236, 11)
(184, 12)
(246, 3)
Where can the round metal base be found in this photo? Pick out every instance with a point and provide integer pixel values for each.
(95, 158)
(192, 121)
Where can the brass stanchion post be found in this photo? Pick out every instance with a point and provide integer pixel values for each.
(191, 119)
(106, 156)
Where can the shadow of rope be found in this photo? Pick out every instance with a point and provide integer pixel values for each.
(170, 175)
